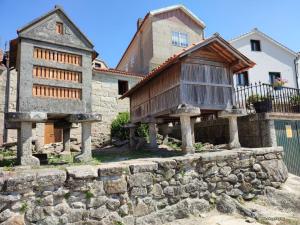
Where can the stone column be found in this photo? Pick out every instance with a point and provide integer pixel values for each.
(40, 139)
(232, 115)
(152, 135)
(131, 137)
(66, 140)
(86, 150)
(234, 141)
(25, 145)
(271, 134)
(165, 132)
(186, 134)
(193, 121)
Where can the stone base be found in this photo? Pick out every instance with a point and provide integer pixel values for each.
(83, 157)
(29, 161)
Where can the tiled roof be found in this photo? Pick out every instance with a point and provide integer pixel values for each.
(119, 72)
(183, 52)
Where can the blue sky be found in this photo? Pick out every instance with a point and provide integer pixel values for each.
(110, 24)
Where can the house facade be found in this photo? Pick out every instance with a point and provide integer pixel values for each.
(161, 34)
(273, 60)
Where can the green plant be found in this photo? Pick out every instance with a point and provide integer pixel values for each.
(89, 195)
(119, 131)
(198, 147)
(67, 195)
(24, 207)
(295, 100)
(257, 98)
(118, 222)
(39, 201)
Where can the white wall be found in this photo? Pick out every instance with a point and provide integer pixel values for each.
(271, 58)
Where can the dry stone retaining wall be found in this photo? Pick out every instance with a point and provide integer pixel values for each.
(140, 192)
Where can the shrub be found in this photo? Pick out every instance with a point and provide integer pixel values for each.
(257, 98)
(117, 129)
(295, 100)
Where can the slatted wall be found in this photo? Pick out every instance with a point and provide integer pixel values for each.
(43, 72)
(162, 93)
(56, 56)
(56, 74)
(207, 85)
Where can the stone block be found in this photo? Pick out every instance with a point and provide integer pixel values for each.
(138, 191)
(50, 177)
(140, 179)
(82, 172)
(140, 167)
(113, 169)
(115, 186)
(276, 170)
(20, 182)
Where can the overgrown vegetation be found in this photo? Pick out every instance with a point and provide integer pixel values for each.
(198, 147)
(118, 130)
(89, 195)
(24, 207)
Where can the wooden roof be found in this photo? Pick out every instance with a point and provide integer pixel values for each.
(217, 44)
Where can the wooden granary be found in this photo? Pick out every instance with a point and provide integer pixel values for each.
(194, 82)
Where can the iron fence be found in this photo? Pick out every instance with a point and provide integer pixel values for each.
(260, 97)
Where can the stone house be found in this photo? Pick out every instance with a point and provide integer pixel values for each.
(272, 59)
(159, 35)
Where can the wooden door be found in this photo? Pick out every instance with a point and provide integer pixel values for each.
(49, 133)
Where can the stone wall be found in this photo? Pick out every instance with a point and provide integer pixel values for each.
(105, 100)
(12, 134)
(140, 192)
(255, 131)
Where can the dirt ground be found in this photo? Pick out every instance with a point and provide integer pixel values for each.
(280, 208)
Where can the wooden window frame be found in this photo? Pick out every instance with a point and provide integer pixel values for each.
(123, 86)
(255, 45)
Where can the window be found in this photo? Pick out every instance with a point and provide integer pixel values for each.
(255, 45)
(59, 28)
(179, 39)
(123, 86)
(273, 76)
(242, 79)
(97, 65)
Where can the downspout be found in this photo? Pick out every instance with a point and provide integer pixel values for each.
(296, 61)
(7, 95)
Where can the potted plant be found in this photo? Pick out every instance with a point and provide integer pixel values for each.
(279, 83)
(260, 103)
(295, 102)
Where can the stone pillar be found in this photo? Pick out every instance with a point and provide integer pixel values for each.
(66, 140)
(186, 134)
(271, 134)
(164, 128)
(86, 150)
(234, 141)
(193, 121)
(40, 133)
(25, 145)
(152, 135)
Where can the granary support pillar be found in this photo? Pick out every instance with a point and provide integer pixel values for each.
(193, 121)
(25, 121)
(86, 120)
(132, 128)
(67, 140)
(232, 115)
(185, 112)
(152, 135)
(186, 134)
(40, 139)
(165, 131)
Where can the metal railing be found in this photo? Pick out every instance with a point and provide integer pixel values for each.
(260, 97)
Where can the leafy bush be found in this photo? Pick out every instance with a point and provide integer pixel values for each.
(117, 126)
(257, 98)
(295, 100)
(118, 130)
(198, 147)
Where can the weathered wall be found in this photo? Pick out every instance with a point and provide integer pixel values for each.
(148, 191)
(105, 100)
(255, 131)
(12, 134)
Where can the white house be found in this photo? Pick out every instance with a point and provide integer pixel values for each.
(272, 59)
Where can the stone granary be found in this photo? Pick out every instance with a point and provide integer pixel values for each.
(53, 59)
(197, 81)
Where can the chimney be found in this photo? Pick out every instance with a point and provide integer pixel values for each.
(139, 23)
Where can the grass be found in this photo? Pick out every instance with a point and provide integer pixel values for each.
(24, 207)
